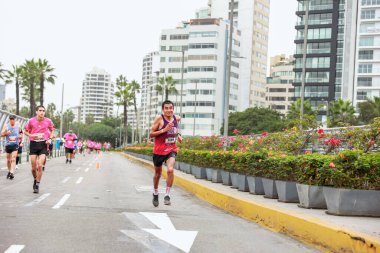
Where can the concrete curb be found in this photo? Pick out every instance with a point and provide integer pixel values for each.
(310, 230)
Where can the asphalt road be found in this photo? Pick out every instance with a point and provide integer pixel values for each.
(104, 204)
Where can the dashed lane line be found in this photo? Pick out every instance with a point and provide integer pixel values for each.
(62, 201)
(87, 169)
(79, 180)
(36, 201)
(78, 169)
(65, 180)
(14, 249)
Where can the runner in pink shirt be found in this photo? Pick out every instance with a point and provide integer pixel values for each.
(69, 137)
(40, 132)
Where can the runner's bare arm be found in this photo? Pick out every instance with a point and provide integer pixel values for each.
(154, 130)
(179, 136)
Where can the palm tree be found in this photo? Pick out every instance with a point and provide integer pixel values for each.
(15, 75)
(44, 74)
(166, 86)
(2, 71)
(369, 110)
(29, 79)
(295, 109)
(124, 95)
(134, 87)
(341, 113)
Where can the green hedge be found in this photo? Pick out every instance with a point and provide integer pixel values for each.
(347, 169)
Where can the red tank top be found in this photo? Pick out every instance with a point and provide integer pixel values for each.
(166, 142)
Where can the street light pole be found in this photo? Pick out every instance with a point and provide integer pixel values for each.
(61, 125)
(195, 105)
(227, 91)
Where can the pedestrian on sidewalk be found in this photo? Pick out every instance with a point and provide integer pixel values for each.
(12, 132)
(165, 131)
(40, 132)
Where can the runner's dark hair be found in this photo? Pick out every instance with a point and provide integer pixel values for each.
(40, 106)
(167, 102)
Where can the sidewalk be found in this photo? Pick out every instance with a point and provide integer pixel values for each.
(311, 226)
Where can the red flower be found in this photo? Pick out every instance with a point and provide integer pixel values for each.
(332, 165)
(264, 134)
(370, 143)
(320, 131)
(333, 142)
(321, 136)
(236, 132)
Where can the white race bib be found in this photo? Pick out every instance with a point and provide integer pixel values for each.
(170, 140)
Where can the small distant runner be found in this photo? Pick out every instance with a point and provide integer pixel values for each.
(40, 132)
(13, 133)
(70, 138)
(166, 132)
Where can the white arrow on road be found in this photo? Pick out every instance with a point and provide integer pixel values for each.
(181, 239)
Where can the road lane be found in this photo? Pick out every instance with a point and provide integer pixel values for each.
(105, 213)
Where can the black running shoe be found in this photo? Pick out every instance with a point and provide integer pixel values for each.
(67, 160)
(167, 200)
(11, 176)
(70, 161)
(36, 190)
(34, 184)
(155, 200)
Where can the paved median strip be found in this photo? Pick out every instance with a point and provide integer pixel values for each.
(62, 201)
(308, 229)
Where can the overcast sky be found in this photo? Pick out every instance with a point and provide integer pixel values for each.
(76, 35)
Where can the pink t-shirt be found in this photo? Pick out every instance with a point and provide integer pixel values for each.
(90, 144)
(69, 140)
(41, 128)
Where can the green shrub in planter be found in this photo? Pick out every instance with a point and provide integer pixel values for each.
(278, 167)
(313, 169)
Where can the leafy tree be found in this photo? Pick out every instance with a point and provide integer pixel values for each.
(341, 113)
(15, 76)
(25, 112)
(89, 119)
(369, 110)
(68, 118)
(29, 80)
(50, 110)
(44, 71)
(111, 121)
(2, 71)
(255, 120)
(295, 109)
(99, 132)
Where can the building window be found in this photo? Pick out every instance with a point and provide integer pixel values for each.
(163, 37)
(201, 69)
(366, 41)
(365, 68)
(361, 95)
(370, 2)
(364, 81)
(202, 57)
(162, 59)
(203, 45)
(179, 37)
(277, 89)
(367, 14)
(366, 54)
(203, 34)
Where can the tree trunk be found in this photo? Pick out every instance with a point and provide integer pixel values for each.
(32, 102)
(166, 94)
(17, 97)
(125, 121)
(42, 87)
(137, 122)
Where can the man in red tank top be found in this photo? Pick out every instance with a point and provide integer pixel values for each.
(165, 131)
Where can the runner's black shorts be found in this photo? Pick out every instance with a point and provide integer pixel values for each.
(20, 150)
(11, 148)
(38, 148)
(69, 150)
(158, 160)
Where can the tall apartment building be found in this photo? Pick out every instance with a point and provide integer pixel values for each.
(367, 67)
(279, 88)
(342, 52)
(251, 17)
(205, 43)
(97, 95)
(149, 95)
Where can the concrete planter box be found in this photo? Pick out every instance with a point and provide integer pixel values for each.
(287, 191)
(352, 202)
(255, 185)
(226, 178)
(198, 172)
(234, 180)
(209, 172)
(186, 168)
(180, 166)
(243, 183)
(216, 176)
(311, 196)
(176, 166)
(270, 190)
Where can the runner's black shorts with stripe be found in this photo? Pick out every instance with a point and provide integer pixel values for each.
(38, 148)
(158, 160)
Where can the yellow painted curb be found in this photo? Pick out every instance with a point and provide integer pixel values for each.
(320, 234)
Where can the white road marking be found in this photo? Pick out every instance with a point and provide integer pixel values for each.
(78, 169)
(149, 188)
(79, 180)
(65, 180)
(62, 201)
(4, 168)
(87, 169)
(36, 201)
(14, 249)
